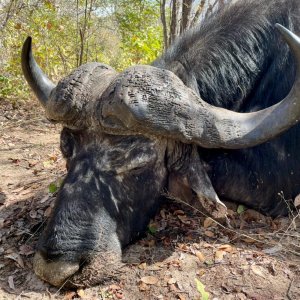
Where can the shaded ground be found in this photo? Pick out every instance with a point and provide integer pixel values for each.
(259, 258)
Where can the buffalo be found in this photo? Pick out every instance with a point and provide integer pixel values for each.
(215, 117)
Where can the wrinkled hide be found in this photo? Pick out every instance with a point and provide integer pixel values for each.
(103, 203)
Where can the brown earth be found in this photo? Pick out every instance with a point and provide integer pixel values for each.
(258, 258)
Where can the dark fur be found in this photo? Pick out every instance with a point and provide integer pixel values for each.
(240, 62)
(93, 204)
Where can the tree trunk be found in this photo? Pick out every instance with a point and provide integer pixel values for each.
(186, 15)
(211, 7)
(198, 13)
(221, 3)
(164, 22)
(174, 22)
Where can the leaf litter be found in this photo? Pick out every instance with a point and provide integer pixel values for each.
(182, 245)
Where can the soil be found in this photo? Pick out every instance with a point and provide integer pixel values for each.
(256, 257)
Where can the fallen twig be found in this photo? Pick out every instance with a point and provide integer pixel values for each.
(289, 290)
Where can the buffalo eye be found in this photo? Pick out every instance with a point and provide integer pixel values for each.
(67, 143)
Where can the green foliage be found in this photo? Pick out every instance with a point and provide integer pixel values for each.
(55, 58)
(118, 33)
(201, 289)
(152, 229)
(6, 86)
(241, 208)
(140, 30)
(52, 187)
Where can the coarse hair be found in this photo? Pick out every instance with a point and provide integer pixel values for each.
(236, 53)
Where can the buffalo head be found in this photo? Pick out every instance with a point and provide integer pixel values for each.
(127, 137)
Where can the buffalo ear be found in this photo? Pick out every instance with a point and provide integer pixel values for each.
(189, 182)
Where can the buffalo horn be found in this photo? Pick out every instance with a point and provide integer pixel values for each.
(151, 101)
(38, 81)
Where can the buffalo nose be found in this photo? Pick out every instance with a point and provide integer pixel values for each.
(54, 272)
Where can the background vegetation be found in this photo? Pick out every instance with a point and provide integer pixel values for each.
(68, 33)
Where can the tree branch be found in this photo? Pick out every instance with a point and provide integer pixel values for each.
(198, 13)
(164, 22)
(186, 14)
(174, 22)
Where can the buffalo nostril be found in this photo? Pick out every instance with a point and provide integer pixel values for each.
(54, 272)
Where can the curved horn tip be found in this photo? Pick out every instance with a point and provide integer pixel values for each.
(28, 40)
(291, 38)
(38, 81)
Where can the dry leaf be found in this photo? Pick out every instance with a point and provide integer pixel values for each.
(143, 266)
(53, 157)
(252, 215)
(179, 286)
(184, 219)
(25, 192)
(15, 160)
(181, 297)
(208, 222)
(258, 271)
(69, 295)
(119, 295)
(200, 255)
(26, 250)
(47, 164)
(219, 255)
(18, 190)
(201, 272)
(149, 243)
(32, 163)
(44, 199)
(48, 211)
(183, 247)
(151, 280)
(17, 258)
(230, 212)
(114, 287)
(11, 282)
(248, 240)
(143, 286)
(175, 263)
(226, 248)
(80, 293)
(172, 281)
(173, 288)
(154, 268)
(209, 233)
(163, 213)
(2, 223)
(179, 212)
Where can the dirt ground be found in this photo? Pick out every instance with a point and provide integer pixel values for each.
(257, 258)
